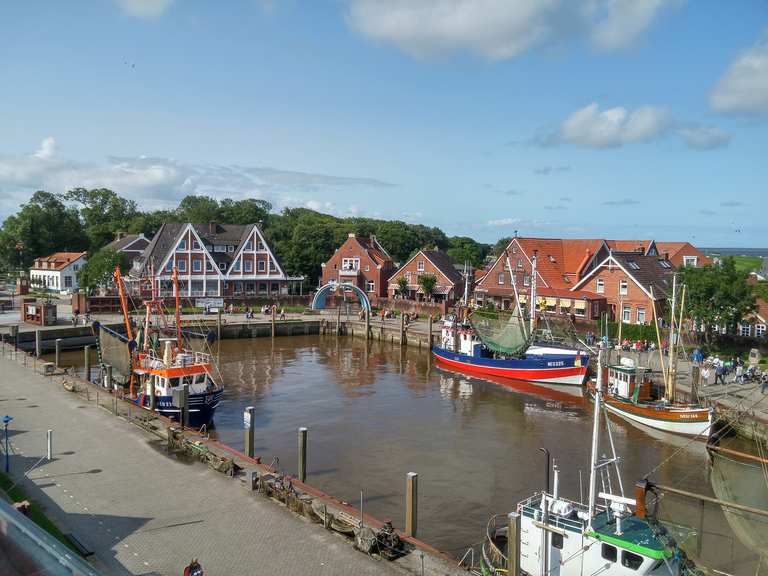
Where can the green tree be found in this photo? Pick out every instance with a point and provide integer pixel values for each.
(501, 245)
(717, 296)
(42, 226)
(463, 249)
(99, 268)
(248, 211)
(402, 286)
(198, 210)
(103, 214)
(427, 283)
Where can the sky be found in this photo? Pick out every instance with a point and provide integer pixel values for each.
(566, 118)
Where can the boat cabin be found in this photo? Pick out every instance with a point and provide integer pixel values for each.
(460, 337)
(629, 381)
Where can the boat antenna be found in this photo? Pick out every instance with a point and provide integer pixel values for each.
(595, 435)
(532, 305)
(670, 371)
(175, 278)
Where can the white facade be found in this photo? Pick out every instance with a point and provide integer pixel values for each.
(60, 278)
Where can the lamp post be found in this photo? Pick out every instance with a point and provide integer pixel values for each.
(7, 420)
(546, 476)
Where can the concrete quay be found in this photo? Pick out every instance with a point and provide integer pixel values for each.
(143, 512)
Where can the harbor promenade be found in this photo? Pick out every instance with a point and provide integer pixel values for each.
(143, 512)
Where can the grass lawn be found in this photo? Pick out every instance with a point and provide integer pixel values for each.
(36, 514)
(747, 263)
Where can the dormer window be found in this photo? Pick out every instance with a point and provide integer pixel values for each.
(195, 245)
(420, 265)
(223, 266)
(249, 245)
(182, 245)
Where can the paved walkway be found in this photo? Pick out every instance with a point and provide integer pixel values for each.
(140, 511)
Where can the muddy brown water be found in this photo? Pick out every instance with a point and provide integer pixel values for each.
(376, 412)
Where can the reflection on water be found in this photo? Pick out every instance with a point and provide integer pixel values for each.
(376, 412)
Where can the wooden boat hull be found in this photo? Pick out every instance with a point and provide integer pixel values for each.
(677, 419)
(564, 370)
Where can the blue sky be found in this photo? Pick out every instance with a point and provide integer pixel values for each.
(581, 118)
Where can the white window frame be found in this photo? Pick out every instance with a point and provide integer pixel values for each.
(249, 266)
(690, 261)
(500, 278)
(236, 266)
(261, 266)
(623, 287)
(759, 330)
(638, 313)
(420, 265)
(169, 265)
(626, 314)
(196, 245)
(230, 248)
(600, 286)
(181, 265)
(223, 266)
(208, 266)
(272, 267)
(182, 244)
(745, 330)
(249, 245)
(197, 265)
(526, 280)
(370, 286)
(350, 263)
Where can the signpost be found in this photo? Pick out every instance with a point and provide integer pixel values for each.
(7, 420)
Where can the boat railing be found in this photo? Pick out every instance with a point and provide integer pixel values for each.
(531, 507)
(492, 554)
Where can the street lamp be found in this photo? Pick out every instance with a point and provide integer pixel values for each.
(7, 420)
(546, 476)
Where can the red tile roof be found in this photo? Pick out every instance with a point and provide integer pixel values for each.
(629, 245)
(58, 260)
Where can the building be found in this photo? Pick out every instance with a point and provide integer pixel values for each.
(132, 245)
(213, 260)
(449, 286)
(754, 324)
(679, 254)
(560, 263)
(363, 262)
(632, 284)
(57, 272)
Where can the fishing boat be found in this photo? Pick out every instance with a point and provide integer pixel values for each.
(499, 344)
(632, 396)
(550, 534)
(160, 371)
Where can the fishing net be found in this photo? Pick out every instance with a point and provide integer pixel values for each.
(500, 331)
(114, 351)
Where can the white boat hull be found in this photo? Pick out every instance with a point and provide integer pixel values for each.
(693, 428)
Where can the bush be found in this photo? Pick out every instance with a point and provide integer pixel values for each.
(635, 332)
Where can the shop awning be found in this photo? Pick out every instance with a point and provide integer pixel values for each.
(565, 302)
(579, 304)
(551, 301)
(523, 298)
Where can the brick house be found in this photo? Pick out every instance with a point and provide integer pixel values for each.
(560, 263)
(362, 262)
(132, 245)
(57, 272)
(632, 283)
(754, 324)
(679, 254)
(449, 287)
(215, 260)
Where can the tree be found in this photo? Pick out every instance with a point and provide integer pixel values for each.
(198, 210)
(248, 211)
(98, 270)
(402, 286)
(501, 245)
(717, 296)
(463, 249)
(427, 283)
(42, 226)
(103, 214)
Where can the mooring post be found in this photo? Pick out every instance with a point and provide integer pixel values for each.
(402, 328)
(249, 423)
(338, 320)
(302, 454)
(429, 330)
(274, 308)
(57, 356)
(38, 343)
(695, 381)
(152, 398)
(49, 441)
(218, 324)
(411, 503)
(184, 406)
(513, 547)
(368, 335)
(108, 376)
(87, 363)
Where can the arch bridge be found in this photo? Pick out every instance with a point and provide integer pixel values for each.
(318, 302)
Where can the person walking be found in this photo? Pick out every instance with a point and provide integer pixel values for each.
(720, 373)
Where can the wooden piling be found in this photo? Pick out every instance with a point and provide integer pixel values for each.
(513, 546)
(411, 503)
(249, 424)
(87, 362)
(302, 454)
(218, 324)
(402, 329)
(38, 343)
(184, 406)
(274, 309)
(429, 330)
(57, 357)
(338, 321)
(368, 335)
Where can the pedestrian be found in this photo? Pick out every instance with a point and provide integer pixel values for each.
(194, 569)
(739, 373)
(720, 373)
(282, 313)
(75, 313)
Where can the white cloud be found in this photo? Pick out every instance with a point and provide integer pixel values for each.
(504, 222)
(704, 137)
(162, 182)
(144, 8)
(47, 148)
(743, 89)
(618, 23)
(500, 29)
(592, 128)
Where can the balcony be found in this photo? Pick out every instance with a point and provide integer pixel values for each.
(349, 273)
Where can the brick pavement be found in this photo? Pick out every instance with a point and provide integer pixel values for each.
(143, 512)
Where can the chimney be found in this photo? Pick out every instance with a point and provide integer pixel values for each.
(373, 238)
(212, 227)
(120, 235)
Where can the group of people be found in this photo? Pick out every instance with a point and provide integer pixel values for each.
(640, 346)
(77, 318)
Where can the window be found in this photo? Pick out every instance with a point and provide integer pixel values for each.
(623, 287)
(501, 278)
(249, 245)
(420, 267)
(408, 277)
(519, 262)
(236, 266)
(526, 280)
(249, 265)
(261, 266)
(219, 248)
(557, 540)
(367, 267)
(759, 330)
(262, 287)
(169, 266)
(222, 266)
(631, 560)
(634, 265)
(665, 264)
(76, 267)
(67, 281)
(275, 287)
(272, 266)
(259, 245)
(197, 265)
(208, 266)
(609, 552)
(195, 245)
(369, 286)
(182, 245)
(182, 265)
(641, 315)
(745, 329)
(626, 314)
(230, 248)
(600, 287)
(690, 260)
(350, 263)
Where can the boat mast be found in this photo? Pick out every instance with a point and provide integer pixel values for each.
(175, 278)
(466, 284)
(673, 360)
(517, 296)
(595, 437)
(533, 294)
(671, 372)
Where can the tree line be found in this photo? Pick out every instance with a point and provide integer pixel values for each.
(88, 220)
